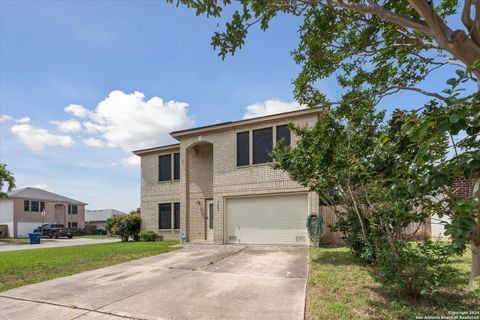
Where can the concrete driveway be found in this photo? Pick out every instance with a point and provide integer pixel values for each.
(196, 282)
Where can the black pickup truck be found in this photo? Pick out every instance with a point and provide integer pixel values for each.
(55, 230)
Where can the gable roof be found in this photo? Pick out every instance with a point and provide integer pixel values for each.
(40, 194)
(218, 126)
(101, 215)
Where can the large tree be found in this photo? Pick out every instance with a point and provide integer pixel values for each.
(379, 48)
(6, 179)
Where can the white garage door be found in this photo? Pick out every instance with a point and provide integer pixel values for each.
(24, 228)
(267, 219)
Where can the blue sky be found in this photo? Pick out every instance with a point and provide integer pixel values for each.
(55, 54)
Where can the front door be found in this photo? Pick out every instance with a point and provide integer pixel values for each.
(210, 220)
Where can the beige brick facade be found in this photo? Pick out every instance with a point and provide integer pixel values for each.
(208, 170)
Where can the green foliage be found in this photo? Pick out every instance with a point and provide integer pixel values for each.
(6, 177)
(149, 236)
(419, 269)
(125, 226)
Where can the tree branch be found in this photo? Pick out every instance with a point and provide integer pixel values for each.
(377, 10)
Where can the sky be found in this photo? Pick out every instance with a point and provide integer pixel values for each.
(83, 83)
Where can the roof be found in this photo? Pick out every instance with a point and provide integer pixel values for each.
(40, 194)
(223, 125)
(155, 149)
(229, 124)
(101, 215)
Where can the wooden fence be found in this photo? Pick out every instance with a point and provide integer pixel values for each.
(416, 231)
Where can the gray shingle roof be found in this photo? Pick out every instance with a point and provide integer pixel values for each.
(40, 194)
(101, 215)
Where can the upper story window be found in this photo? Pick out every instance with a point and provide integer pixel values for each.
(283, 133)
(243, 148)
(168, 169)
(33, 206)
(176, 166)
(72, 209)
(262, 145)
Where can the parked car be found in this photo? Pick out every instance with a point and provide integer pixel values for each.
(55, 230)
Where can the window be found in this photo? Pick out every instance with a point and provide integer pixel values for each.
(283, 132)
(26, 205)
(34, 206)
(73, 225)
(176, 166)
(72, 209)
(176, 218)
(262, 145)
(42, 206)
(165, 167)
(243, 148)
(164, 216)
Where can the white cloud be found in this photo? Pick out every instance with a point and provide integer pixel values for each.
(131, 161)
(270, 107)
(38, 139)
(77, 110)
(128, 121)
(68, 125)
(91, 127)
(43, 186)
(93, 142)
(23, 120)
(5, 118)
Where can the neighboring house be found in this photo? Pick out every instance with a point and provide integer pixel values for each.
(217, 184)
(462, 188)
(98, 218)
(21, 211)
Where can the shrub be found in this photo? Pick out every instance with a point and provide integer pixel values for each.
(125, 226)
(417, 269)
(150, 236)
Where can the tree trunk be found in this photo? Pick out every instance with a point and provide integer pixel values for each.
(475, 265)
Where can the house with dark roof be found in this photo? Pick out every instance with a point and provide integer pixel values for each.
(21, 211)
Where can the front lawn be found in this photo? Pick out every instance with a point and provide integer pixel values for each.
(19, 268)
(339, 287)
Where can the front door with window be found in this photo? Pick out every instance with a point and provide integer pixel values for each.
(209, 220)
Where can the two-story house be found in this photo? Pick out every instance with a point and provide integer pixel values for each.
(217, 184)
(22, 211)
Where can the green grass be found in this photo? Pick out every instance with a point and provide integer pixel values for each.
(339, 287)
(19, 268)
(96, 236)
(22, 240)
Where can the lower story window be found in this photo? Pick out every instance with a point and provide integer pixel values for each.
(73, 225)
(165, 217)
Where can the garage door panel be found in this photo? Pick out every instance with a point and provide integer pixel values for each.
(267, 219)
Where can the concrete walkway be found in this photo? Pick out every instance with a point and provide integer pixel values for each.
(5, 246)
(197, 282)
